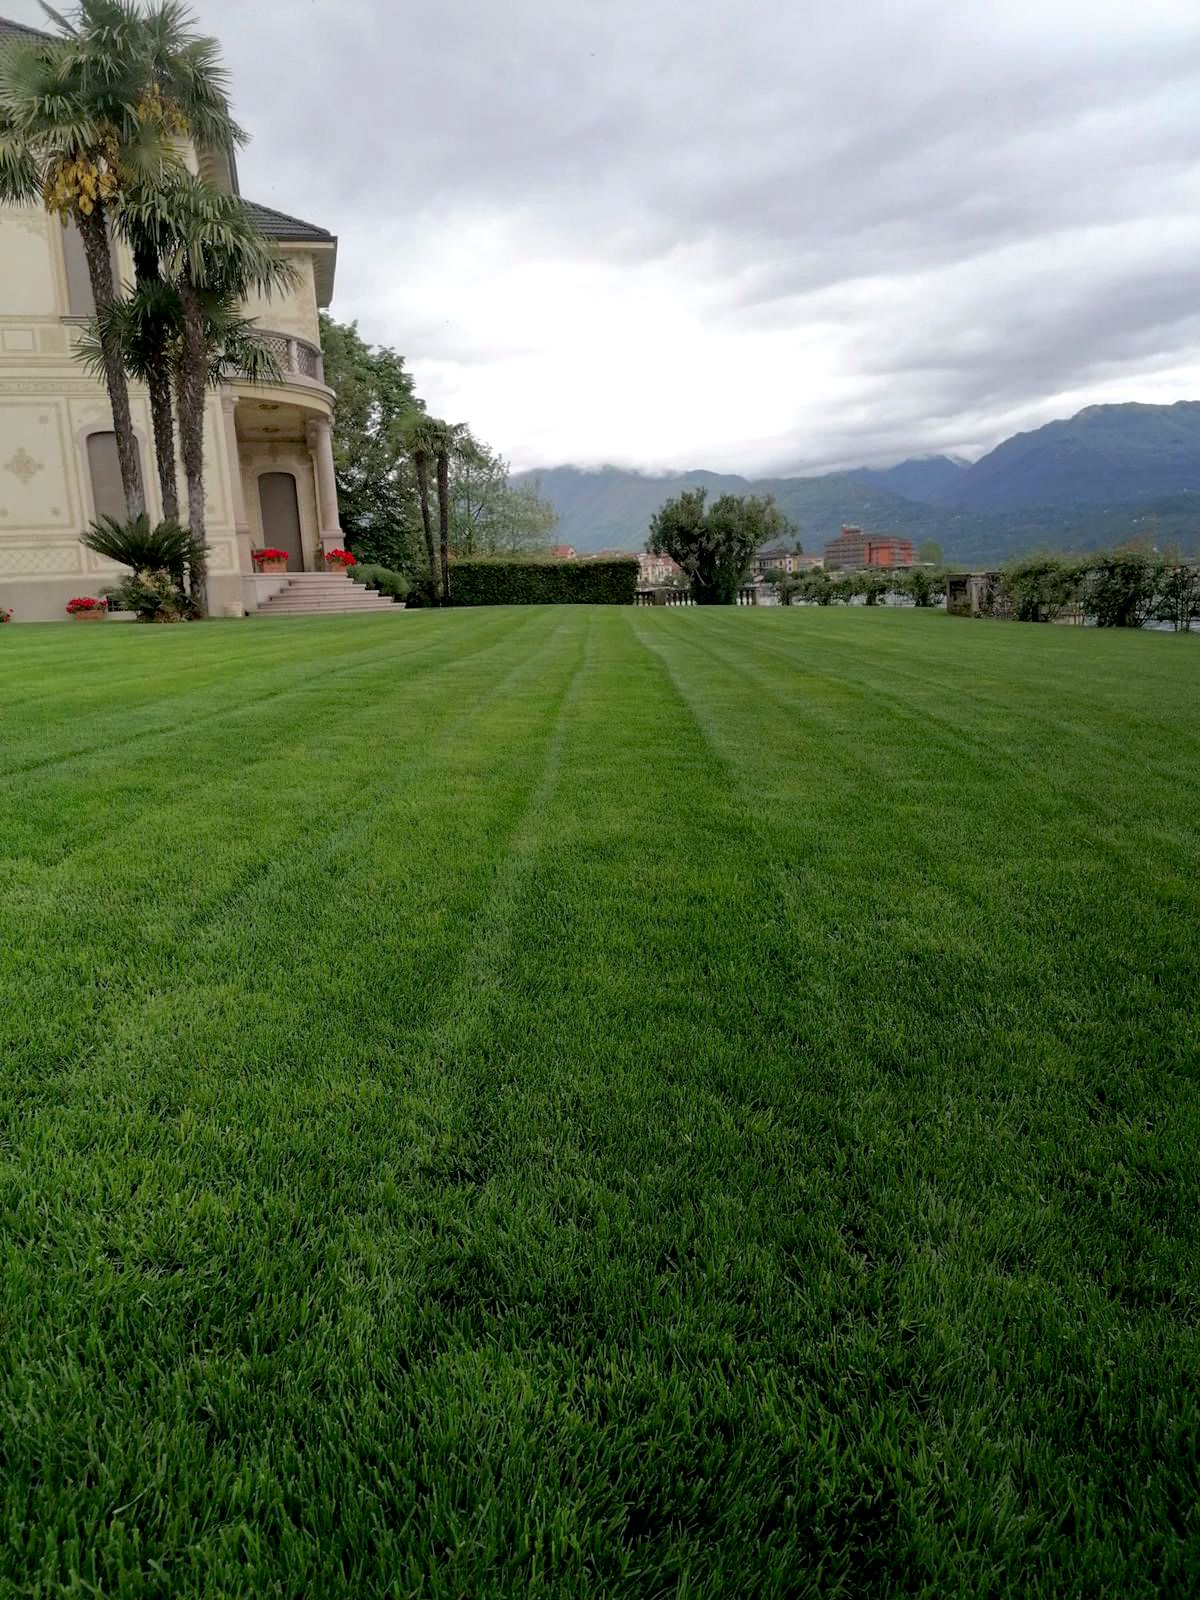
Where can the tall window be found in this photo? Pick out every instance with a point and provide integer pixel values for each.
(80, 300)
(79, 286)
(104, 470)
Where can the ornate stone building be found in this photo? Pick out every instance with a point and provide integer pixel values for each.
(269, 456)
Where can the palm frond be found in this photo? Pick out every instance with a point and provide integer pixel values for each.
(143, 545)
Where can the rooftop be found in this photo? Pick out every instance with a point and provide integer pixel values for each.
(279, 225)
(18, 30)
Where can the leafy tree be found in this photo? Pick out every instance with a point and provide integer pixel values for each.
(715, 544)
(925, 587)
(1041, 586)
(376, 478)
(930, 552)
(86, 115)
(1123, 585)
(489, 515)
(1179, 594)
(816, 585)
(871, 582)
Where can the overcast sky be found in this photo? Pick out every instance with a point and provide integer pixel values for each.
(749, 236)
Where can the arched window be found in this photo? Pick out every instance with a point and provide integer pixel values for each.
(104, 471)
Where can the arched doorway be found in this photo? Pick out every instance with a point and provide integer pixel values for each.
(279, 506)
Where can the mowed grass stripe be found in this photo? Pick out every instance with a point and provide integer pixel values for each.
(684, 1126)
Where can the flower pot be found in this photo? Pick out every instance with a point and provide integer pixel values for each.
(273, 566)
(95, 615)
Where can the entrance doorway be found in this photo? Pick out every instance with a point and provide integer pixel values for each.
(280, 508)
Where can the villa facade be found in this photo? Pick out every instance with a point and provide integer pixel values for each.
(268, 450)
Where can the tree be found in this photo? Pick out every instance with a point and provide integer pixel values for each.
(418, 436)
(443, 439)
(715, 544)
(871, 582)
(924, 586)
(489, 515)
(213, 256)
(930, 552)
(816, 585)
(1041, 586)
(148, 326)
(1179, 594)
(1123, 585)
(88, 114)
(376, 481)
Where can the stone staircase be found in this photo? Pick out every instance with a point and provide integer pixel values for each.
(308, 594)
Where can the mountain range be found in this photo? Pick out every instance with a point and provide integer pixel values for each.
(1107, 474)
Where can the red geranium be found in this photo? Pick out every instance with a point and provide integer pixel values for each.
(340, 558)
(269, 554)
(86, 602)
(5, 616)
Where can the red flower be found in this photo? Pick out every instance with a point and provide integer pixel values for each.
(340, 558)
(269, 553)
(86, 602)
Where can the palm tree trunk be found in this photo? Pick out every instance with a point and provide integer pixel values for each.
(193, 388)
(145, 260)
(93, 230)
(421, 464)
(443, 488)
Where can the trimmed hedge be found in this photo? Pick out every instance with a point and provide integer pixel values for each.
(537, 583)
(382, 578)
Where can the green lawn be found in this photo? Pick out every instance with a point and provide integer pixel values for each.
(595, 1102)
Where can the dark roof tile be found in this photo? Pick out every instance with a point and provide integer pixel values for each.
(278, 225)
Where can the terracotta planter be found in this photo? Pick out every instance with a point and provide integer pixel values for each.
(97, 615)
(273, 566)
(336, 566)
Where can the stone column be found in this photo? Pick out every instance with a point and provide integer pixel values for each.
(320, 442)
(241, 522)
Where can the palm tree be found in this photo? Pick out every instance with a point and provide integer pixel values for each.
(213, 256)
(418, 434)
(90, 112)
(445, 438)
(149, 329)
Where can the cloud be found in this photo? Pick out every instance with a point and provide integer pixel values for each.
(741, 234)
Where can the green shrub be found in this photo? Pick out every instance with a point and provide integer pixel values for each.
(529, 583)
(155, 596)
(146, 547)
(384, 579)
(1123, 585)
(1040, 587)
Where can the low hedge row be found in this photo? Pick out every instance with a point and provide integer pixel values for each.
(535, 583)
(381, 578)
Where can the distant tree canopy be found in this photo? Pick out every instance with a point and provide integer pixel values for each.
(490, 515)
(377, 492)
(715, 544)
(930, 552)
(378, 422)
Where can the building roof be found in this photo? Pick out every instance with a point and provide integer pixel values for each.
(17, 30)
(278, 225)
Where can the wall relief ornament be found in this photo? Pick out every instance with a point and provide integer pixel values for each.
(23, 466)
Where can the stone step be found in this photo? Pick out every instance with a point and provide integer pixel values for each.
(274, 606)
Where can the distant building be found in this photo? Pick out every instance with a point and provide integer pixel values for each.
(563, 552)
(775, 558)
(654, 569)
(855, 549)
